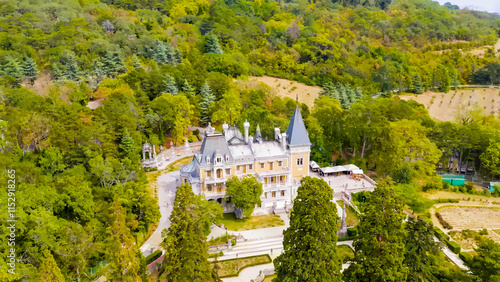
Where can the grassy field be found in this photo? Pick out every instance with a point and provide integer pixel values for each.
(345, 253)
(260, 221)
(351, 216)
(461, 196)
(287, 88)
(178, 163)
(269, 278)
(443, 106)
(227, 268)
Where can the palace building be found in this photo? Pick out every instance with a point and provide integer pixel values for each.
(278, 164)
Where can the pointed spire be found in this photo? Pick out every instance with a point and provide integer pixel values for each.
(297, 98)
(258, 136)
(296, 134)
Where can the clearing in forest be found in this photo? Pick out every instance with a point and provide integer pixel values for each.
(474, 218)
(289, 88)
(443, 106)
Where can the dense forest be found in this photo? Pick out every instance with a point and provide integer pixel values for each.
(158, 67)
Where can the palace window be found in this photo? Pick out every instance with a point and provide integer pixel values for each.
(250, 166)
(265, 195)
(237, 167)
(228, 171)
(300, 161)
(273, 194)
(282, 193)
(209, 187)
(261, 165)
(280, 163)
(219, 160)
(271, 165)
(209, 173)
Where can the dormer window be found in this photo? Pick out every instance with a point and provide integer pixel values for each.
(219, 160)
(208, 159)
(227, 158)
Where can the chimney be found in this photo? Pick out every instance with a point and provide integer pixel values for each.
(225, 126)
(283, 140)
(246, 125)
(277, 133)
(250, 142)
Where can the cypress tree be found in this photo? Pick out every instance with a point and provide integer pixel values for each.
(310, 243)
(170, 86)
(185, 245)
(127, 143)
(380, 248)
(206, 103)
(212, 44)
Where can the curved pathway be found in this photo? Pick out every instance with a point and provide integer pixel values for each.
(167, 185)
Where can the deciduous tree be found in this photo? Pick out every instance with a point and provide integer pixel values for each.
(244, 194)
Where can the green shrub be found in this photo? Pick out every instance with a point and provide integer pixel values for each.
(443, 222)
(454, 247)
(233, 242)
(440, 234)
(466, 257)
(154, 256)
(440, 200)
(352, 232)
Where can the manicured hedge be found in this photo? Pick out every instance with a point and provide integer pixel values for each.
(440, 234)
(466, 257)
(454, 247)
(154, 256)
(352, 232)
(443, 222)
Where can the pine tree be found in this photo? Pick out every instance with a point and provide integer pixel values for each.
(159, 53)
(170, 86)
(136, 63)
(72, 71)
(30, 69)
(212, 44)
(127, 144)
(48, 270)
(310, 243)
(185, 244)
(173, 55)
(188, 89)
(345, 96)
(380, 248)
(206, 103)
(418, 87)
(13, 68)
(121, 245)
(56, 71)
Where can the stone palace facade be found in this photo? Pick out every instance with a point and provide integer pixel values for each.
(278, 164)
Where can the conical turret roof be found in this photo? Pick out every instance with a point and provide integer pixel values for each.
(296, 134)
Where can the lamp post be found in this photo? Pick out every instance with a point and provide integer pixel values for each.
(237, 265)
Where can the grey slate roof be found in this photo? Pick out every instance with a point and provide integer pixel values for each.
(214, 143)
(234, 136)
(296, 134)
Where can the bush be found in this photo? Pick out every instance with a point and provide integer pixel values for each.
(233, 242)
(440, 234)
(454, 247)
(352, 232)
(483, 232)
(440, 200)
(154, 256)
(466, 257)
(443, 222)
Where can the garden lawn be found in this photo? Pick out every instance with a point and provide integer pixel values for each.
(178, 163)
(345, 253)
(259, 221)
(227, 268)
(351, 217)
(269, 278)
